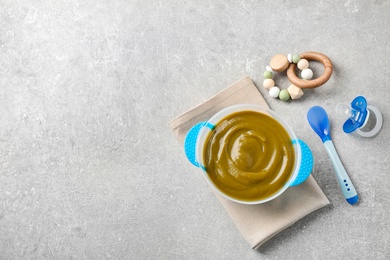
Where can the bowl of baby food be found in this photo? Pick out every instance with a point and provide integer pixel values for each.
(248, 154)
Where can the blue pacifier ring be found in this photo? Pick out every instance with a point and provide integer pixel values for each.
(359, 115)
(365, 119)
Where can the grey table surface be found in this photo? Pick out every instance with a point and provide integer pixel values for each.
(89, 168)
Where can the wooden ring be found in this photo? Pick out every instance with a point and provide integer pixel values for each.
(313, 83)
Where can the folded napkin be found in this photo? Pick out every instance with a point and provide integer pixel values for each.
(256, 223)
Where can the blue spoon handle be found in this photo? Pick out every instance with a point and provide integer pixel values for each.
(346, 185)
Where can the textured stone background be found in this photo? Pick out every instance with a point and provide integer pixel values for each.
(89, 168)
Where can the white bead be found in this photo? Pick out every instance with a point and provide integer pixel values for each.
(274, 92)
(289, 57)
(269, 69)
(303, 64)
(307, 74)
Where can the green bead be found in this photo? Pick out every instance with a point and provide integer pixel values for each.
(268, 74)
(284, 95)
(296, 58)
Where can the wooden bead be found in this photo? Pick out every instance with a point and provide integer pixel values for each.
(294, 91)
(279, 62)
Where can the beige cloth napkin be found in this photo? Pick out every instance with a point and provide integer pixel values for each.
(257, 223)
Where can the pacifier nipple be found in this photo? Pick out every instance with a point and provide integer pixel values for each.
(344, 111)
(365, 119)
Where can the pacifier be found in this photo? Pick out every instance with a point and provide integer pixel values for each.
(365, 119)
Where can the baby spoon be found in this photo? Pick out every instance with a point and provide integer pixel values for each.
(318, 120)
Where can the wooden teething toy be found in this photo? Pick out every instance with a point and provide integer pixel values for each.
(315, 82)
(281, 62)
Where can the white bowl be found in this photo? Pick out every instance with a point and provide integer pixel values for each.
(208, 128)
